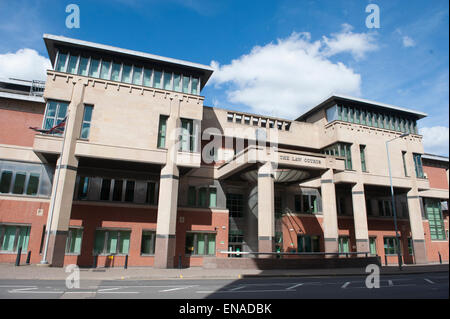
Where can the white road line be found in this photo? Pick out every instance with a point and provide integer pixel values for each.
(107, 289)
(35, 292)
(237, 288)
(117, 292)
(345, 285)
(391, 284)
(178, 288)
(24, 289)
(429, 281)
(294, 286)
(17, 286)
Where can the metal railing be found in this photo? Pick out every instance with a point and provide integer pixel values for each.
(366, 254)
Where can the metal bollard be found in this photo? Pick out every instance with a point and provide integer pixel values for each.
(19, 252)
(440, 257)
(28, 257)
(126, 262)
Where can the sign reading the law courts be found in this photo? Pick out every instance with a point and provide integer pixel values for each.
(301, 160)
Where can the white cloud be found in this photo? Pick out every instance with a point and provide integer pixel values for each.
(435, 139)
(25, 64)
(288, 77)
(408, 42)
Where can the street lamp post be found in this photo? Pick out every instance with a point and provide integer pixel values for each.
(397, 235)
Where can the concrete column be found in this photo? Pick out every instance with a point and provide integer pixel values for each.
(266, 209)
(360, 218)
(330, 224)
(62, 193)
(168, 194)
(416, 224)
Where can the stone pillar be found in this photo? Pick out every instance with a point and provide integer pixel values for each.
(360, 218)
(168, 194)
(416, 224)
(62, 192)
(330, 224)
(266, 209)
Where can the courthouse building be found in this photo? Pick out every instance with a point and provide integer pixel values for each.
(144, 169)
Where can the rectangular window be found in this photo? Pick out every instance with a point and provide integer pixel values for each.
(390, 246)
(177, 82)
(72, 67)
(168, 81)
(151, 193)
(157, 77)
(33, 184)
(162, 131)
(186, 80)
(308, 244)
(192, 196)
(373, 245)
(212, 197)
(357, 116)
(106, 189)
(115, 72)
(375, 119)
(126, 73)
(61, 64)
(118, 189)
(363, 117)
(83, 187)
(74, 239)
(200, 244)
(435, 219)
(104, 73)
(86, 124)
(380, 120)
(19, 183)
(13, 237)
(5, 181)
(148, 242)
(137, 75)
(345, 114)
(344, 244)
(404, 163)
(235, 205)
(202, 197)
(362, 152)
(418, 165)
(194, 89)
(55, 114)
(93, 68)
(83, 67)
(112, 242)
(410, 247)
(147, 77)
(129, 191)
(369, 118)
(351, 115)
(187, 135)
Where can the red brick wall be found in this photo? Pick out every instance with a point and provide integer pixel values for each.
(437, 176)
(15, 118)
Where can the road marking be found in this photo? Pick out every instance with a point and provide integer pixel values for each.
(178, 288)
(429, 281)
(107, 289)
(345, 285)
(117, 292)
(24, 289)
(294, 286)
(391, 284)
(237, 288)
(237, 291)
(35, 292)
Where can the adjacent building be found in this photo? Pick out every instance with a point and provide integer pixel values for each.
(142, 168)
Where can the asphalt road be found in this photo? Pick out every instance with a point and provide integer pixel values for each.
(432, 285)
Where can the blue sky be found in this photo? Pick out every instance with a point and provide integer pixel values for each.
(271, 57)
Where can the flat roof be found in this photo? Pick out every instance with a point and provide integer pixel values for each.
(22, 97)
(435, 157)
(52, 41)
(374, 104)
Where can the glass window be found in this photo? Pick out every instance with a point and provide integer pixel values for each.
(363, 117)
(147, 77)
(381, 120)
(167, 81)
(410, 247)
(200, 243)
(83, 68)
(390, 246)
(106, 188)
(112, 242)
(86, 124)
(418, 165)
(74, 238)
(104, 73)
(375, 120)
(93, 69)
(33, 184)
(115, 72)
(357, 116)
(83, 187)
(61, 64)
(235, 205)
(435, 219)
(177, 82)
(162, 131)
(5, 181)
(202, 197)
(148, 242)
(344, 244)
(151, 193)
(194, 89)
(129, 191)
(373, 245)
(404, 163)
(212, 197)
(187, 135)
(339, 115)
(157, 77)
(362, 152)
(351, 115)
(186, 80)
(137, 75)
(118, 189)
(72, 67)
(308, 244)
(192, 196)
(345, 114)
(55, 114)
(19, 183)
(126, 73)
(13, 237)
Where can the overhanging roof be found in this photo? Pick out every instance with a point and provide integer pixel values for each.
(368, 103)
(53, 41)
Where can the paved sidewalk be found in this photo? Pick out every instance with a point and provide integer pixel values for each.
(9, 271)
